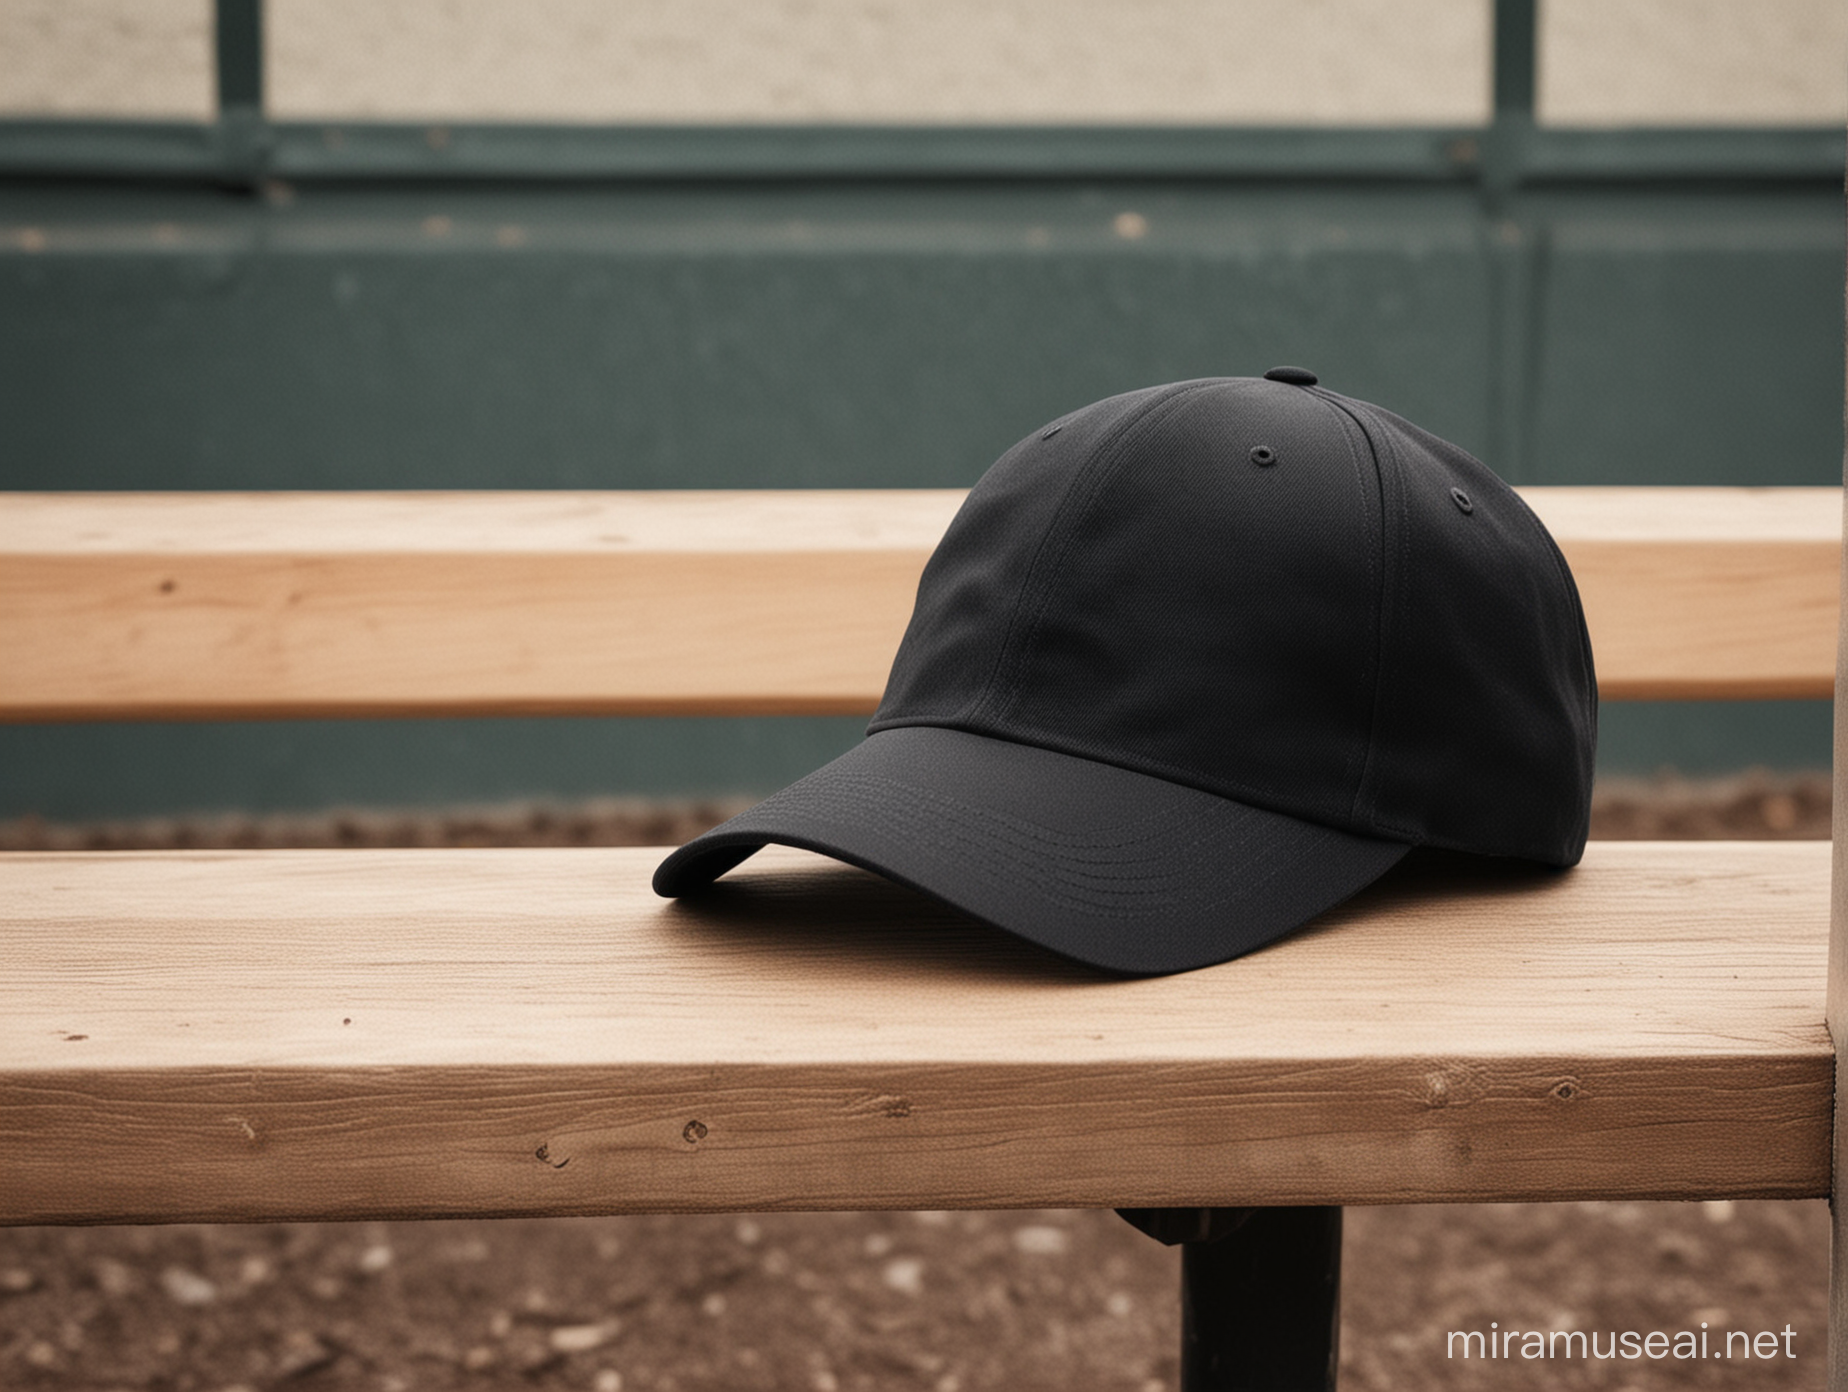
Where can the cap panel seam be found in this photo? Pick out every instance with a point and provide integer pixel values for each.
(1036, 590)
(1387, 611)
(1393, 618)
(972, 708)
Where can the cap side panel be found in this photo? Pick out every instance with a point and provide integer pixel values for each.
(1050, 561)
(1587, 669)
(1577, 831)
(1215, 620)
(1486, 732)
(976, 580)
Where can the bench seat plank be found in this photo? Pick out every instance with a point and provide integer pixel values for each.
(118, 606)
(328, 1034)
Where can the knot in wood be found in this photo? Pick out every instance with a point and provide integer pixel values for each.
(1452, 1084)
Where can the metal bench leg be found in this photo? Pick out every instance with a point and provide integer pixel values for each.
(1260, 1295)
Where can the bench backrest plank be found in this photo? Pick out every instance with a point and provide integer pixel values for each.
(271, 605)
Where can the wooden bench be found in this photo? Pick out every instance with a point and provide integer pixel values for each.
(333, 1034)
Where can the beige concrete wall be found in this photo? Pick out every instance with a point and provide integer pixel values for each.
(106, 58)
(1701, 62)
(889, 60)
(1379, 62)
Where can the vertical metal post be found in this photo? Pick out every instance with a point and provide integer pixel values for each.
(242, 136)
(1261, 1308)
(1516, 43)
(1260, 1295)
(1513, 245)
(1514, 76)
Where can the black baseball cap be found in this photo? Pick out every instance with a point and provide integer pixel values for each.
(1195, 663)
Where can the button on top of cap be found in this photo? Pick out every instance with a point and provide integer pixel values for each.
(1295, 376)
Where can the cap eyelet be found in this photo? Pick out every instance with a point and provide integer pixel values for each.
(1050, 431)
(1461, 499)
(1263, 456)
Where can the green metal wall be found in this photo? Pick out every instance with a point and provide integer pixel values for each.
(888, 334)
(256, 306)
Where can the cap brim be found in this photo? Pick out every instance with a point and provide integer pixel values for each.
(1111, 867)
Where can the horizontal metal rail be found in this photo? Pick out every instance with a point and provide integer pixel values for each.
(537, 153)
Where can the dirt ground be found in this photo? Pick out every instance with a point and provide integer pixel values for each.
(951, 1302)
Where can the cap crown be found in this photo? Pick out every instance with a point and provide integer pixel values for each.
(1276, 594)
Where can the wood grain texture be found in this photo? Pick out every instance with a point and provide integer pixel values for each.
(275, 605)
(1697, 593)
(269, 1035)
(272, 605)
